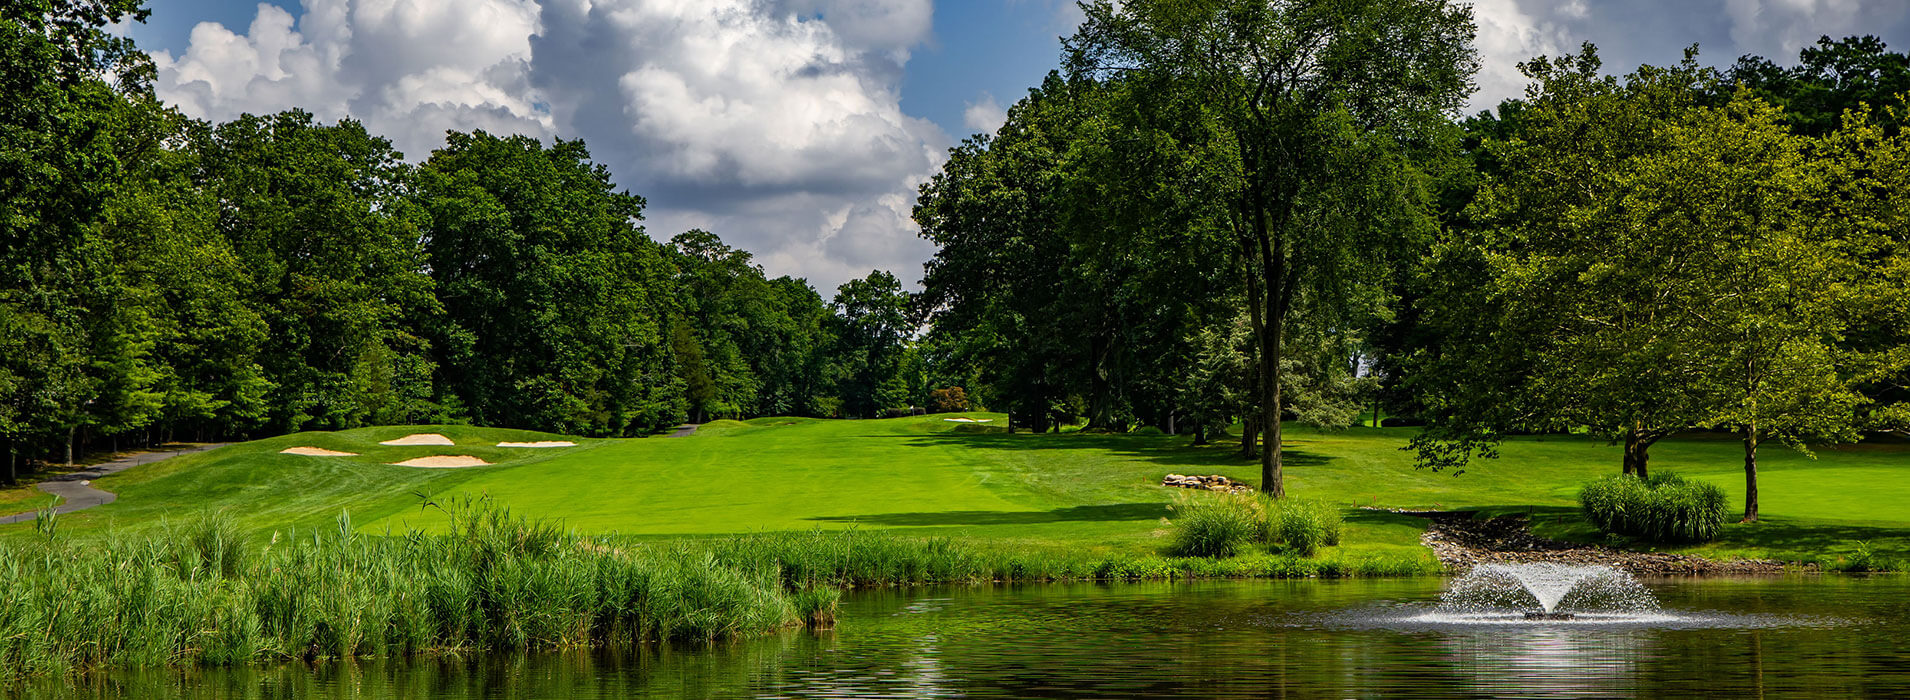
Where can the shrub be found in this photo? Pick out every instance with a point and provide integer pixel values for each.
(1218, 526)
(950, 400)
(1303, 527)
(1664, 508)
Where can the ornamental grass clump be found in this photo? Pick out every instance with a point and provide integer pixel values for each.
(1303, 527)
(1225, 525)
(1217, 526)
(1664, 508)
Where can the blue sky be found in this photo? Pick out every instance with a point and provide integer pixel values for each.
(796, 129)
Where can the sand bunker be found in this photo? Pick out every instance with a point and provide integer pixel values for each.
(540, 443)
(969, 420)
(316, 452)
(443, 462)
(420, 439)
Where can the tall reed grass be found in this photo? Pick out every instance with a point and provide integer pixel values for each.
(201, 593)
(1664, 508)
(206, 592)
(1224, 525)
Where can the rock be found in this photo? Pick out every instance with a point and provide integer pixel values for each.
(1210, 482)
(1462, 542)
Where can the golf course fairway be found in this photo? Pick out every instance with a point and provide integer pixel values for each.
(933, 476)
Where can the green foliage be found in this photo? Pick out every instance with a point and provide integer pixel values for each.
(1663, 508)
(1302, 526)
(870, 325)
(1217, 526)
(203, 595)
(1222, 526)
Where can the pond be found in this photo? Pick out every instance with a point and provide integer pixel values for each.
(1792, 636)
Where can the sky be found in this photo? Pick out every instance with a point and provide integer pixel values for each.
(798, 130)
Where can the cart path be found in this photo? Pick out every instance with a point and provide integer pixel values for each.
(684, 430)
(76, 494)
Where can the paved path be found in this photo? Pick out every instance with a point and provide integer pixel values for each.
(76, 494)
(684, 430)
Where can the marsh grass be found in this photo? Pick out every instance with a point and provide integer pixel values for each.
(203, 592)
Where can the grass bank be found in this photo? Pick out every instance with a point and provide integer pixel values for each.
(1063, 495)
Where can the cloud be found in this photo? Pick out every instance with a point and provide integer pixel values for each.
(1508, 35)
(410, 69)
(776, 124)
(984, 115)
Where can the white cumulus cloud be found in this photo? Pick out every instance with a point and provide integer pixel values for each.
(1508, 35)
(984, 115)
(409, 69)
(776, 124)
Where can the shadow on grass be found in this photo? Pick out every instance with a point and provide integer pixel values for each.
(1815, 536)
(1167, 450)
(1103, 513)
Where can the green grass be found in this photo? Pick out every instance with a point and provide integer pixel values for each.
(1080, 494)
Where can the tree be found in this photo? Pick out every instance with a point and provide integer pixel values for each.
(1310, 105)
(1001, 286)
(1832, 76)
(1573, 305)
(1734, 177)
(78, 355)
(555, 302)
(1864, 170)
(872, 321)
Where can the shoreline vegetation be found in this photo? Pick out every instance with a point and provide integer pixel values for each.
(207, 593)
(482, 568)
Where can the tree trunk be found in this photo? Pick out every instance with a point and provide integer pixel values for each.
(13, 466)
(1272, 478)
(1249, 437)
(1638, 454)
(1200, 433)
(1750, 474)
(69, 445)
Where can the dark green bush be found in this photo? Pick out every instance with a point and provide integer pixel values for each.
(1664, 508)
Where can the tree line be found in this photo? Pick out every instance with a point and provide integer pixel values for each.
(1228, 212)
(166, 278)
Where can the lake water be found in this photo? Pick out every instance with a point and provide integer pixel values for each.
(1827, 636)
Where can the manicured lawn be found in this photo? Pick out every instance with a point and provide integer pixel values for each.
(925, 475)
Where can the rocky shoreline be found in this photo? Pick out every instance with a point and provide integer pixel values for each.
(1462, 542)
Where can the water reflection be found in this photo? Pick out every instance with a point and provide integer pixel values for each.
(1776, 637)
(1550, 661)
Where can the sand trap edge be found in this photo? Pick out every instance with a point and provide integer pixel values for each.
(308, 451)
(442, 462)
(419, 439)
(540, 443)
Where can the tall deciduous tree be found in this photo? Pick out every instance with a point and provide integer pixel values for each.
(555, 302)
(872, 321)
(1577, 305)
(1777, 274)
(1311, 104)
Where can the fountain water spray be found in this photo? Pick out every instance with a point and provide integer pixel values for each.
(1546, 591)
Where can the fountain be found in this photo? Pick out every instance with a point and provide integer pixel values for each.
(1546, 592)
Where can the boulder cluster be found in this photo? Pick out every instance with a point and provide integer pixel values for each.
(1210, 482)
